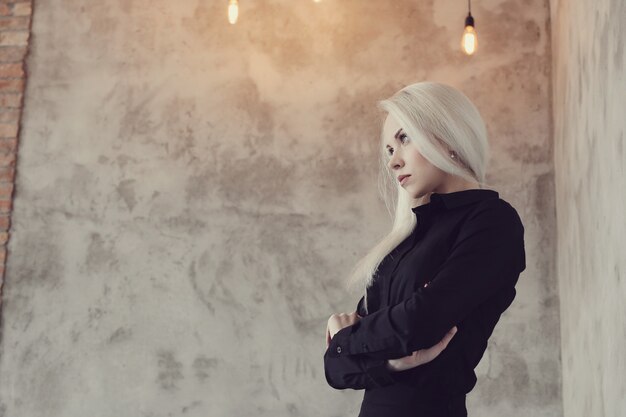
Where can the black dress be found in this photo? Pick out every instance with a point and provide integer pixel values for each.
(468, 246)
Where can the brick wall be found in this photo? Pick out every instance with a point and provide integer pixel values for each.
(15, 21)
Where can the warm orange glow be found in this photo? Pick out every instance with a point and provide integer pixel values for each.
(469, 42)
(233, 11)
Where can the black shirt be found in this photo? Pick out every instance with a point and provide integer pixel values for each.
(468, 246)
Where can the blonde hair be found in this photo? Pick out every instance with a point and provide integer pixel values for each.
(438, 119)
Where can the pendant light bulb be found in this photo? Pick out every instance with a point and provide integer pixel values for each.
(469, 41)
(233, 11)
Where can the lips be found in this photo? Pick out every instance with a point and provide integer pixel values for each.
(401, 177)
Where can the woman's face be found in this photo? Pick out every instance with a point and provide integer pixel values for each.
(403, 159)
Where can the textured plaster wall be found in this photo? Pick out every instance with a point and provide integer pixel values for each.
(190, 195)
(590, 168)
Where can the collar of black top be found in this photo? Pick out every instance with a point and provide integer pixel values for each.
(455, 199)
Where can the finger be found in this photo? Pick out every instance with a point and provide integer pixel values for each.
(426, 355)
(346, 319)
(420, 357)
(354, 317)
(434, 351)
(448, 336)
(327, 337)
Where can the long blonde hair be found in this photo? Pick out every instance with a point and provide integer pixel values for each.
(438, 119)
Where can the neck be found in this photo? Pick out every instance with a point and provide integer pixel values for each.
(451, 186)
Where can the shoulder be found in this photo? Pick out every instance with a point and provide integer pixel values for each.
(497, 207)
(496, 212)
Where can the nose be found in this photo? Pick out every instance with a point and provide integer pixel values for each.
(394, 162)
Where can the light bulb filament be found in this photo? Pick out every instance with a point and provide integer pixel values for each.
(233, 11)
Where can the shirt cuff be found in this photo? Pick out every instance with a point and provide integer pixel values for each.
(343, 343)
(340, 344)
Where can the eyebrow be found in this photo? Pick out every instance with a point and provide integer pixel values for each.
(395, 136)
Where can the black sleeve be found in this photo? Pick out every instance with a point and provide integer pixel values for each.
(360, 309)
(357, 372)
(488, 255)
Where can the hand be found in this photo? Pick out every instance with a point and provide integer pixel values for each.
(422, 356)
(337, 322)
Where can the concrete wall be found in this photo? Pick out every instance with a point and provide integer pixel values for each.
(590, 168)
(190, 195)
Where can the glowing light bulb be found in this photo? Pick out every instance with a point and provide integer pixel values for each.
(233, 11)
(469, 41)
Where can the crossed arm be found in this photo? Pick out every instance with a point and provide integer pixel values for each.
(359, 372)
(487, 256)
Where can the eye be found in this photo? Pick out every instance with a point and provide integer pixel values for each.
(404, 139)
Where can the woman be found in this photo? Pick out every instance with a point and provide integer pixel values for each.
(437, 283)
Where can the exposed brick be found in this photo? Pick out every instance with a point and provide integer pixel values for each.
(14, 23)
(7, 174)
(11, 86)
(7, 160)
(15, 70)
(15, 19)
(11, 100)
(5, 206)
(10, 115)
(8, 145)
(22, 9)
(8, 130)
(12, 54)
(14, 38)
(6, 190)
